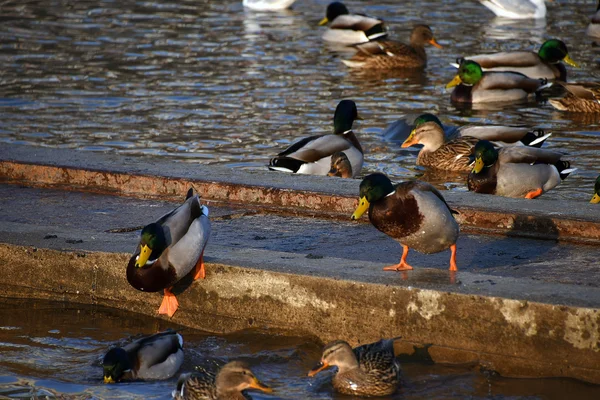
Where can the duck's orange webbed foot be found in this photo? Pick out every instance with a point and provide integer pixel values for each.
(402, 265)
(453, 266)
(169, 304)
(200, 272)
(534, 193)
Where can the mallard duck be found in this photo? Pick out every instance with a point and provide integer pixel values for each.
(475, 86)
(580, 97)
(312, 155)
(593, 28)
(517, 9)
(414, 213)
(596, 197)
(228, 384)
(349, 28)
(545, 64)
(452, 153)
(340, 165)
(169, 249)
(268, 5)
(158, 356)
(369, 370)
(385, 54)
(516, 171)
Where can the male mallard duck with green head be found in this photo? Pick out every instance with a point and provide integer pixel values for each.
(388, 54)
(414, 213)
(580, 97)
(475, 86)
(349, 28)
(596, 197)
(169, 249)
(545, 64)
(516, 171)
(229, 383)
(452, 153)
(312, 155)
(149, 358)
(369, 370)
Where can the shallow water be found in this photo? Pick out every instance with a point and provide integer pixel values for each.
(209, 82)
(54, 350)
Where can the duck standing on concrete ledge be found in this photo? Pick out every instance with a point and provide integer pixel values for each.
(152, 357)
(169, 249)
(229, 383)
(312, 155)
(516, 171)
(414, 213)
(369, 370)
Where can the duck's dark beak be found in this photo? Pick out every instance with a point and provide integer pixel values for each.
(318, 368)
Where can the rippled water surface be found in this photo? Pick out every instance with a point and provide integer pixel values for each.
(54, 350)
(207, 81)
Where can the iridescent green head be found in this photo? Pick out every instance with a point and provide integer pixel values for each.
(469, 73)
(152, 244)
(425, 118)
(115, 363)
(554, 51)
(344, 116)
(485, 156)
(372, 188)
(334, 10)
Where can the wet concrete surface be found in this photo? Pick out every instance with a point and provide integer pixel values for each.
(541, 270)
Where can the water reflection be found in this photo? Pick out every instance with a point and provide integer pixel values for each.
(211, 82)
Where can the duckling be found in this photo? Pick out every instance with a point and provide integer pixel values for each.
(158, 356)
(593, 28)
(268, 5)
(169, 249)
(517, 9)
(386, 54)
(475, 86)
(452, 153)
(580, 97)
(228, 384)
(340, 165)
(545, 64)
(414, 213)
(312, 155)
(349, 28)
(369, 370)
(516, 171)
(596, 197)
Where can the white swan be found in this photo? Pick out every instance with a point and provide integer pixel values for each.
(268, 5)
(517, 9)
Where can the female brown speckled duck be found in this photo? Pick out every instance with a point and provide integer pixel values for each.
(386, 54)
(580, 97)
(229, 383)
(369, 370)
(340, 165)
(169, 249)
(414, 213)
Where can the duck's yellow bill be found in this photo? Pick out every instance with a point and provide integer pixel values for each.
(454, 82)
(108, 379)
(256, 384)
(358, 117)
(323, 21)
(435, 44)
(144, 256)
(322, 365)
(478, 165)
(363, 205)
(570, 61)
(410, 140)
(595, 199)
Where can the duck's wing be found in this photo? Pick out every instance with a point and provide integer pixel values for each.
(426, 187)
(155, 349)
(586, 91)
(529, 155)
(375, 355)
(355, 22)
(314, 148)
(503, 135)
(384, 48)
(510, 80)
(516, 59)
(195, 386)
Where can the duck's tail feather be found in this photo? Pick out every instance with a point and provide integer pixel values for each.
(285, 164)
(535, 138)
(564, 168)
